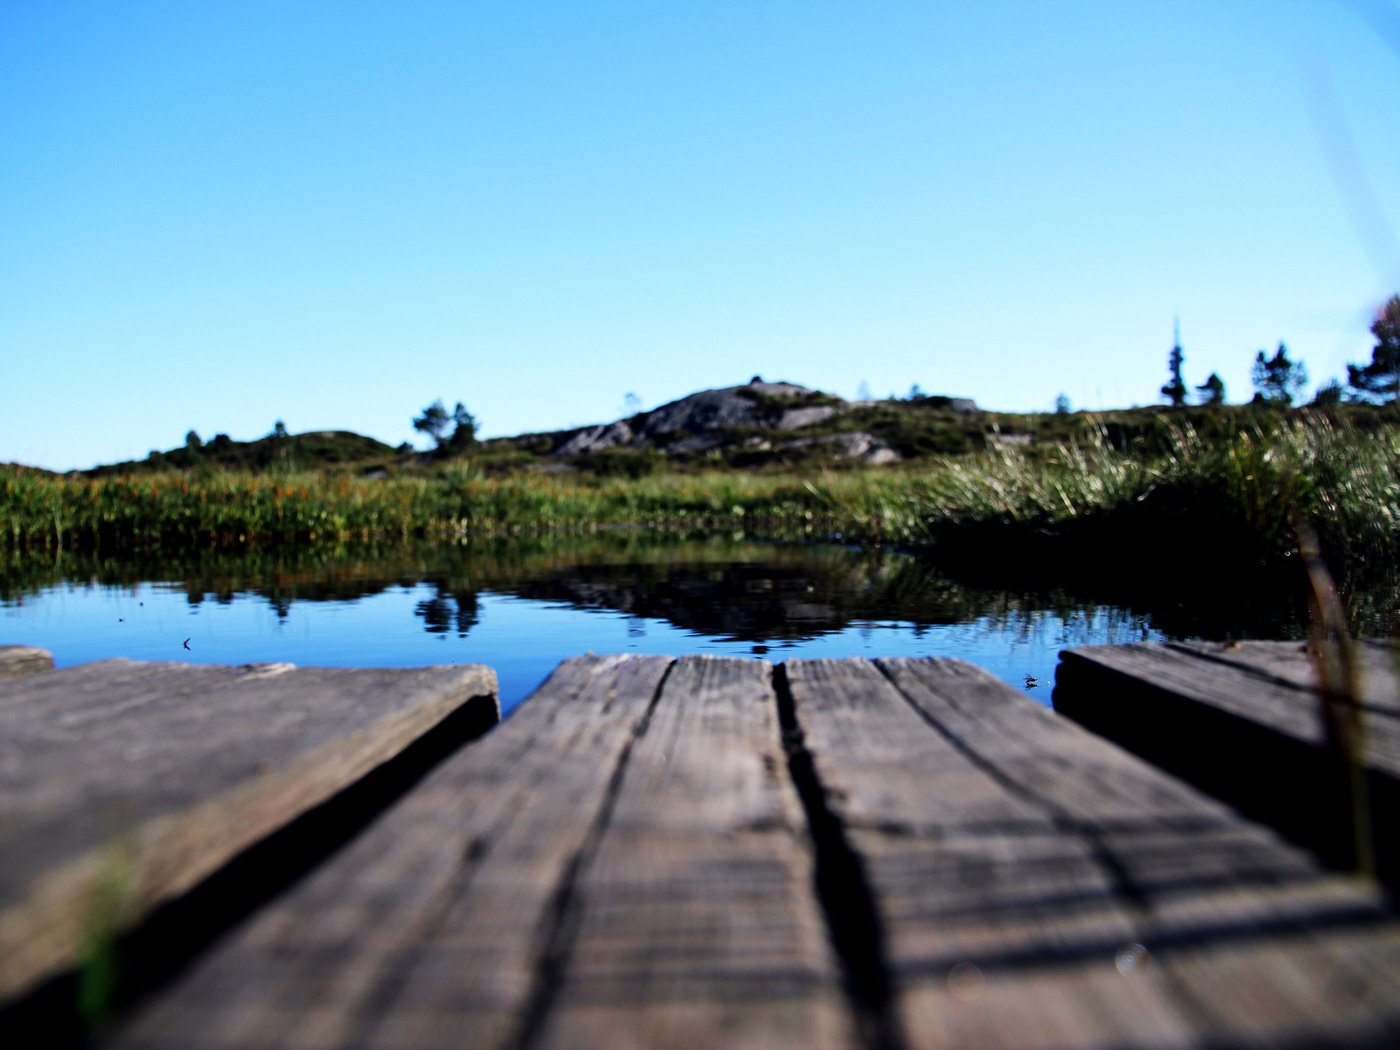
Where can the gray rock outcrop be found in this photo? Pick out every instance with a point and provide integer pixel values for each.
(859, 445)
(705, 420)
(797, 418)
(709, 410)
(595, 439)
(691, 423)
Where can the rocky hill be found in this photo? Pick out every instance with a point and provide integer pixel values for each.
(757, 424)
(757, 420)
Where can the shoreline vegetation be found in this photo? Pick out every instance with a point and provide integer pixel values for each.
(1205, 495)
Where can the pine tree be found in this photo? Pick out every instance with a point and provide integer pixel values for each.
(1380, 380)
(434, 422)
(1212, 391)
(1329, 393)
(1174, 390)
(463, 430)
(1277, 379)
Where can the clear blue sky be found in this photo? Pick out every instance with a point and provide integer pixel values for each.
(218, 215)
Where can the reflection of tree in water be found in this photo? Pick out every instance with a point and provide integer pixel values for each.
(448, 610)
(753, 592)
(788, 595)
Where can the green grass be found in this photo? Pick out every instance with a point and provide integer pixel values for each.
(1197, 502)
(1182, 495)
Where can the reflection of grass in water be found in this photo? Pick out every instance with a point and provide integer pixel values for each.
(1191, 498)
(334, 572)
(703, 580)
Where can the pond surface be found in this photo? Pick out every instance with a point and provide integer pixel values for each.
(523, 606)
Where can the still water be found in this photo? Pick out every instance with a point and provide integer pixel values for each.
(523, 606)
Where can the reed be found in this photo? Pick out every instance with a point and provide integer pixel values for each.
(1199, 501)
(1193, 498)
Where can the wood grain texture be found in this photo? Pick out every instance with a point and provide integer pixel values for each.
(1244, 723)
(635, 859)
(622, 864)
(696, 922)
(1086, 899)
(430, 928)
(16, 661)
(1377, 660)
(970, 878)
(1270, 684)
(124, 784)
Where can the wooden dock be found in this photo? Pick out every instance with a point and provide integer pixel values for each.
(715, 852)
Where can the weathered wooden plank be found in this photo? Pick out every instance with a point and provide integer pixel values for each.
(16, 661)
(1099, 903)
(958, 889)
(1377, 662)
(1244, 723)
(132, 782)
(431, 928)
(622, 864)
(1275, 691)
(696, 920)
(1255, 944)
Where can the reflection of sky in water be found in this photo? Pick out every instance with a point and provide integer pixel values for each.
(522, 639)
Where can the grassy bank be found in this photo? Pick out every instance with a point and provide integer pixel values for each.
(1196, 499)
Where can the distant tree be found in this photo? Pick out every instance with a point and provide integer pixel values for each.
(863, 391)
(1329, 393)
(463, 429)
(1277, 379)
(916, 393)
(193, 441)
(1212, 391)
(1062, 407)
(405, 448)
(282, 445)
(434, 422)
(1380, 380)
(631, 404)
(1174, 390)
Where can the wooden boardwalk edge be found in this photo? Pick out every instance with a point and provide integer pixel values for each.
(127, 785)
(708, 852)
(1243, 724)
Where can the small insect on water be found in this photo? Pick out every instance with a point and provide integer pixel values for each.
(1032, 681)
